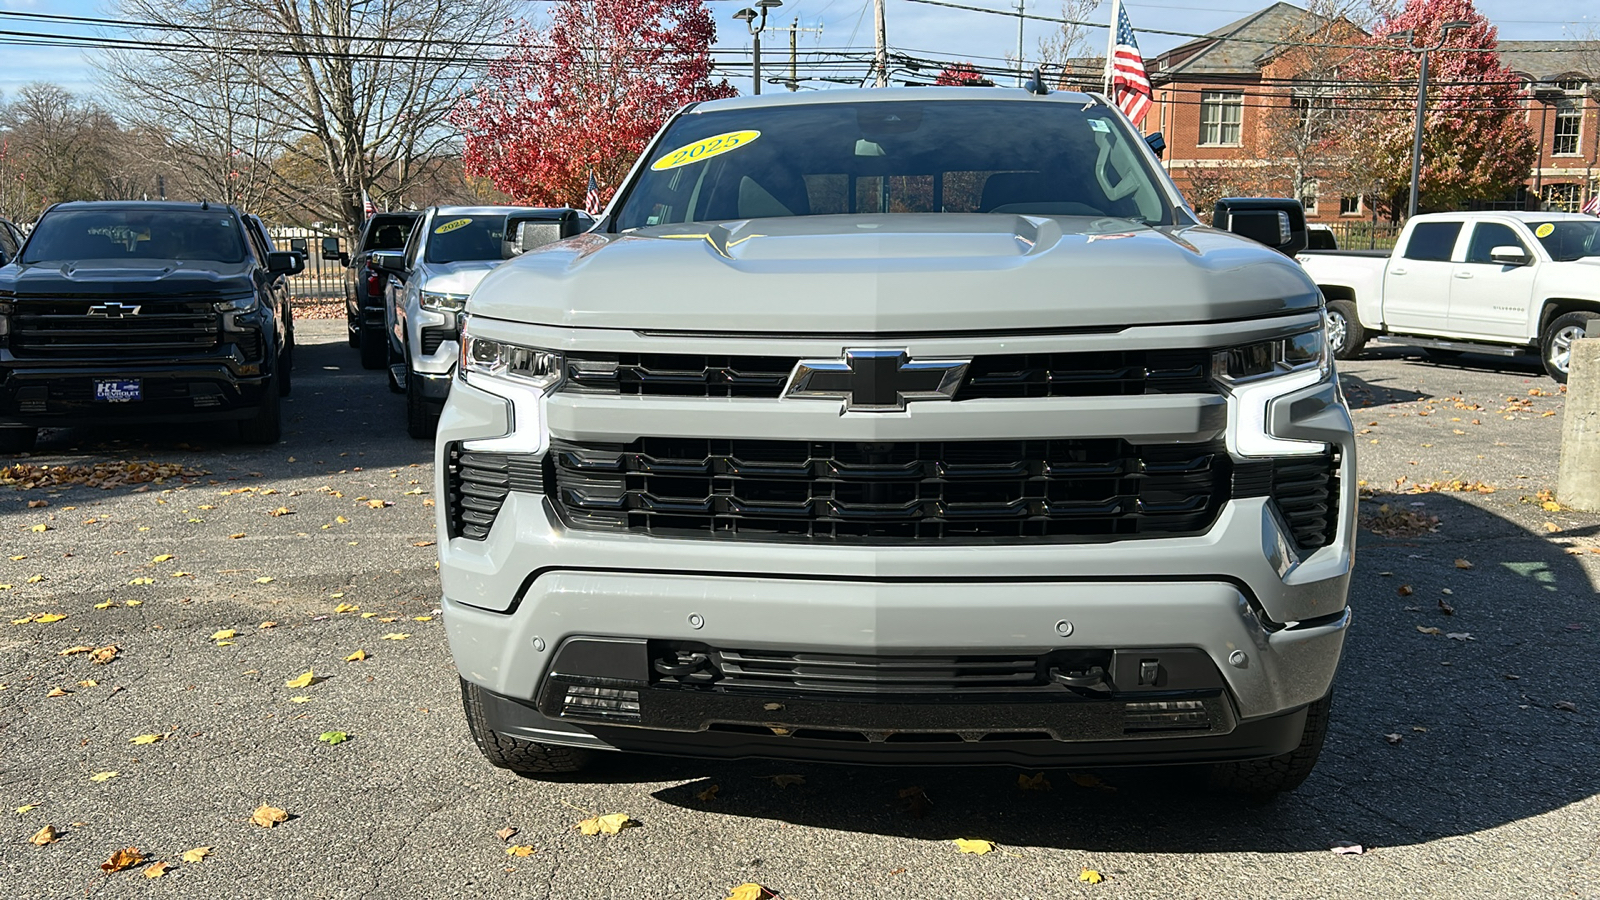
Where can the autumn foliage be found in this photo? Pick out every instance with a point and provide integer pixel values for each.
(586, 92)
(962, 73)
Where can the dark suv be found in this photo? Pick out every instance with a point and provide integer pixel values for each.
(141, 312)
(364, 282)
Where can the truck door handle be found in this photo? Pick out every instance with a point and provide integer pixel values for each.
(1397, 271)
(1463, 274)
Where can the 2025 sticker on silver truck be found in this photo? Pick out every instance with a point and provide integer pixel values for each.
(899, 426)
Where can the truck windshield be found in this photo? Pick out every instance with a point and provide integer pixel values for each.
(466, 238)
(1568, 240)
(70, 235)
(902, 156)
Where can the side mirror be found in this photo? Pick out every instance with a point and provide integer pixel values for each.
(547, 229)
(285, 262)
(388, 261)
(1278, 222)
(1157, 143)
(1510, 256)
(298, 245)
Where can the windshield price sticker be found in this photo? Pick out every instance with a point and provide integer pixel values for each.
(452, 225)
(1545, 230)
(715, 145)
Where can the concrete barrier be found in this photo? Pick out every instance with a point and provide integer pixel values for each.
(1578, 485)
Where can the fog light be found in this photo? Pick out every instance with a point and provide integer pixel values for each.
(1163, 715)
(602, 703)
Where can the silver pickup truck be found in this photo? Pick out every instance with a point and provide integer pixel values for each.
(899, 426)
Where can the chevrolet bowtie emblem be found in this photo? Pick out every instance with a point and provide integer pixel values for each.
(877, 380)
(114, 310)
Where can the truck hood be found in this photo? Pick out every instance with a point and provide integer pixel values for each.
(895, 274)
(456, 277)
(127, 278)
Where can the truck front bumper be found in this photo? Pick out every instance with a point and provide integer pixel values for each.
(63, 395)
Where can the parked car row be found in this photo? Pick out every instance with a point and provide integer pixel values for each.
(409, 280)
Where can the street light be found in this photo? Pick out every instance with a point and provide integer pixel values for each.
(749, 17)
(1422, 97)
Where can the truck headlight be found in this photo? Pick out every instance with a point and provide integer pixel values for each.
(526, 366)
(1254, 375)
(442, 302)
(241, 304)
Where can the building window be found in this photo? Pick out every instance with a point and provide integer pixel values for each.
(1221, 118)
(1569, 124)
(1308, 197)
(1562, 197)
(1350, 206)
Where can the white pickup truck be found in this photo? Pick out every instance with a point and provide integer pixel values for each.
(1505, 283)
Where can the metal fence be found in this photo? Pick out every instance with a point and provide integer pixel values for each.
(323, 279)
(1365, 235)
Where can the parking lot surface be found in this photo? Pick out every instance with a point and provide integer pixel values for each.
(1462, 758)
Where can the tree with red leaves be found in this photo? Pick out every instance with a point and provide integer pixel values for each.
(1476, 144)
(962, 73)
(586, 94)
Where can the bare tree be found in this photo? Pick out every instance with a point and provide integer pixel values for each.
(304, 104)
(57, 147)
(1068, 50)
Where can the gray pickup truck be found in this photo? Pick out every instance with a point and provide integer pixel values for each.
(899, 426)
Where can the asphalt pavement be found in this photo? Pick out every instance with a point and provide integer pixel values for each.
(1464, 762)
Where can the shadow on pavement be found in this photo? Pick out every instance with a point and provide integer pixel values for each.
(1482, 742)
(1479, 362)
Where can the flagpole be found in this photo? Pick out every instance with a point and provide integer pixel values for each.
(1111, 44)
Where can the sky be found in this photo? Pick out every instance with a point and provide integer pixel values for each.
(933, 30)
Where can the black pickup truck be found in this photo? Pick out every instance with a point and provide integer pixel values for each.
(364, 282)
(143, 312)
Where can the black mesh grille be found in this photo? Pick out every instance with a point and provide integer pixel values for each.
(434, 338)
(1306, 490)
(1061, 489)
(52, 327)
(249, 343)
(836, 673)
(477, 484)
(1114, 373)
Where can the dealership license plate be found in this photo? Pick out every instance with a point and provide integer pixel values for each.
(117, 390)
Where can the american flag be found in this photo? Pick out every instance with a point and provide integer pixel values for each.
(591, 197)
(1593, 206)
(366, 204)
(1130, 86)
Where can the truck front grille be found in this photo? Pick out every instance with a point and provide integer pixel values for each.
(434, 338)
(476, 486)
(56, 327)
(838, 490)
(833, 673)
(1102, 374)
(1304, 488)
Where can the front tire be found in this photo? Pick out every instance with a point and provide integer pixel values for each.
(1263, 779)
(522, 757)
(1346, 337)
(1555, 345)
(286, 365)
(267, 425)
(18, 440)
(374, 348)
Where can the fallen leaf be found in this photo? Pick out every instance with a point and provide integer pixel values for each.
(367, 615)
(387, 618)
(146, 739)
(38, 504)
(333, 737)
(78, 649)
(1090, 876)
(336, 595)
(156, 870)
(224, 643)
(966, 845)
(784, 781)
(182, 574)
(422, 618)
(1566, 706)
(1346, 848)
(141, 581)
(1446, 608)
(125, 858)
(1551, 506)
(1035, 782)
(235, 536)
(523, 850)
(1429, 629)
(1460, 636)
(268, 625)
(103, 776)
(299, 699)
(197, 854)
(1393, 738)
(341, 520)
(35, 579)
(45, 835)
(47, 618)
(305, 680)
(58, 692)
(106, 605)
(1405, 590)
(396, 636)
(1552, 527)
(268, 816)
(41, 527)
(265, 579)
(709, 794)
(103, 655)
(224, 635)
(357, 656)
(506, 833)
(346, 607)
(610, 824)
(1091, 781)
(750, 891)
(379, 504)
(163, 558)
(133, 603)
(1463, 564)
(26, 809)
(280, 512)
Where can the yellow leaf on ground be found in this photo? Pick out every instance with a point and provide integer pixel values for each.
(750, 891)
(336, 595)
(1090, 876)
(396, 636)
(299, 699)
(268, 816)
(710, 793)
(224, 634)
(45, 835)
(966, 845)
(126, 858)
(103, 655)
(182, 574)
(141, 581)
(305, 680)
(29, 808)
(357, 656)
(47, 618)
(88, 682)
(78, 649)
(156, 870)
(1035, 782)
(346, 607)
(236, 535)
(1552, 527)
(268, 624)
(134, 603)
(41, 527)
(341, 520)
(106, 605)
(265, 579)
(388, 618)
(103, 776)
(162, 558)
(197, 854)
(58, 692)
(224, 643)
(35, 579)
(422, 618)
(610, 824)
(1463, 564)
(146, 739)
(520, 850)
(377, 504)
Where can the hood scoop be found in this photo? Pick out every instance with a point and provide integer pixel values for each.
(882, 238)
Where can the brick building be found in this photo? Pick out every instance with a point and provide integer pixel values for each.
(1559, 81)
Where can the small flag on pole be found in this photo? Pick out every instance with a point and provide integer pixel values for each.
(1592, 207)
(366, 205)
(591, 197)
(1130, 85)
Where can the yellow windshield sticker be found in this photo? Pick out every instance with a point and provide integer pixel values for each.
(1545, 230)
(452, 225)
(715, 145)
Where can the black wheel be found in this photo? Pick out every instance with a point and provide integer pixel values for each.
(286, 365)
(1262, 779)
(1346, 337)
(1435, 353)
(18, 440)
(266, 427)
(1555, 345)
(521, 757)
(421, 422)
(374, 348)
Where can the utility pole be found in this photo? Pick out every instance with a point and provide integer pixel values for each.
(1422, 98)
(1022, 8)
(756, 25)
(881, 60)
(794, 61)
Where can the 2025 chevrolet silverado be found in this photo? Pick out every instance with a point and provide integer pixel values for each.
(899, 426)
